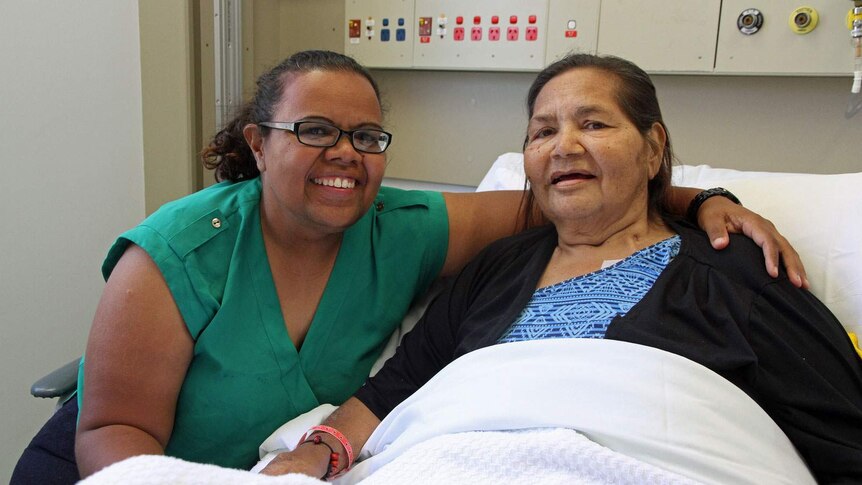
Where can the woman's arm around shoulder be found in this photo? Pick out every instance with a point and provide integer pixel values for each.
(137, 356)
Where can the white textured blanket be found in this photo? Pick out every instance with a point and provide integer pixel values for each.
(164, 470)
(545, 455)
(551, 411)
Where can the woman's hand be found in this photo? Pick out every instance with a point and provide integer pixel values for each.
(308, 459)
(718, 216)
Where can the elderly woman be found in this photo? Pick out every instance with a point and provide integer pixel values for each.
(283, 283)
(616, 265)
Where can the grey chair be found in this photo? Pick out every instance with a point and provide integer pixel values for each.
(59, 384)
(49, 459)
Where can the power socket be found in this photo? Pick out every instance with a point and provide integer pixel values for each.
(512, 33)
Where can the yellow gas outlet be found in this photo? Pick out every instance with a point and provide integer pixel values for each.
(851, 17)
(803, 20)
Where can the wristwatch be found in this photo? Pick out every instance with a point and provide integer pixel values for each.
(700, 198)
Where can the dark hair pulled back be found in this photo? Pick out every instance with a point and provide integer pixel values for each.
(636, 97)
(228, 154)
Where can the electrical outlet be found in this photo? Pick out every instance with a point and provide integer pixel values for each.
(458, 33)
(476, 33)
(494, 33)
(512, 33)
(532, 33)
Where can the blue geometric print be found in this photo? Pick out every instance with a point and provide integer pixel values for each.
(583, 307)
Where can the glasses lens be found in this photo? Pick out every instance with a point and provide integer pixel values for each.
(317, 134)
(372, 141)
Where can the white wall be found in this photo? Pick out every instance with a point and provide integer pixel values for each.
(71, 179)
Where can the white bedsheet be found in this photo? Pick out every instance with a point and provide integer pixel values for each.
(645, 403)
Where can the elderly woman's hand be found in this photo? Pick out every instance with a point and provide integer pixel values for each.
(718, 216)
(306, 459)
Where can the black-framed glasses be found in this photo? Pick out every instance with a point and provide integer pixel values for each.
(317, 134)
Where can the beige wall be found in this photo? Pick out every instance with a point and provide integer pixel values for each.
(449, 126)
(785, 124)
(72, 180)
(170, 106)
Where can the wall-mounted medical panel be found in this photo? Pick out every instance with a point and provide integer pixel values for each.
(661, 35)
(784, 37)
(749, 37)
(499, 35)
(380, 33)
(573, 26)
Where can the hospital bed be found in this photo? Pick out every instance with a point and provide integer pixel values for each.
(726, 440)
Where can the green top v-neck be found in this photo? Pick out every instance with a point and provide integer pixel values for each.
(246, 377)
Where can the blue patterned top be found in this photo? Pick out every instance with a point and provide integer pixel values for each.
(584, 306)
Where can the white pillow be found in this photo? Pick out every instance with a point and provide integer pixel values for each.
(821, 215)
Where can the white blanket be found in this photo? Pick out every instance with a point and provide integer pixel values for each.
(509, 414)
(543, 455)
(658, 408)
(164, 470)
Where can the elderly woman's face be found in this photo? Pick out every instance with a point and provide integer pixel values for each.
(324, 189)
(584, 158)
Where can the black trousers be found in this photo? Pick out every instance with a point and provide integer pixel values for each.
(49, 459)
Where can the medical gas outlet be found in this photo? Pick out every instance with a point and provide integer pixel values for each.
(803, 20)
(749, 21)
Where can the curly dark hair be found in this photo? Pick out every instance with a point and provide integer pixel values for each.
(228, 154)
(637, 99)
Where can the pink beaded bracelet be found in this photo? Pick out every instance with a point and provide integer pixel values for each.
(337, 435)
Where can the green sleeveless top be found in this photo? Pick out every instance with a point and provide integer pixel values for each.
(246, 377)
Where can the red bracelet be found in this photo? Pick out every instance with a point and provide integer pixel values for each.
(340, 437)
(332, 469)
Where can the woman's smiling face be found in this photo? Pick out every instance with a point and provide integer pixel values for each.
(584, 158)
(322, 189)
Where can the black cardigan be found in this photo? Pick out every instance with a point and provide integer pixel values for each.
(777, 343)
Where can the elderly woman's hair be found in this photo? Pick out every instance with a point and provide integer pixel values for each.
(637, 99)
(228, 153)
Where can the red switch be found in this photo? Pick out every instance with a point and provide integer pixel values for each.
(477, 20)
(354, 26)
(532, 19)
(495, 20)
(459, 20)
(513, 19)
